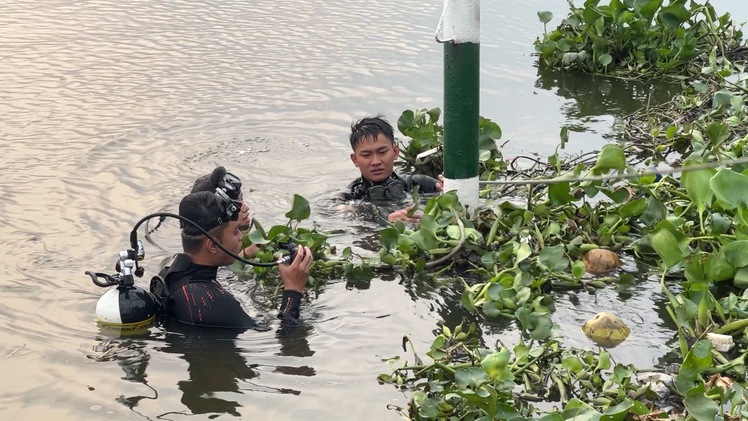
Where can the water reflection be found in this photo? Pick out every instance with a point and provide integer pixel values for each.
(218, 369)
(596, 96)
(133, 358)
(215, 365)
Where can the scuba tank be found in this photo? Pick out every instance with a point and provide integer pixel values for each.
(127, 306)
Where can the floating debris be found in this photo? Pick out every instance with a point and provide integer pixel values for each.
(606, 330)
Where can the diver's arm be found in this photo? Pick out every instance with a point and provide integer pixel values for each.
(294, 277)
(290, 311)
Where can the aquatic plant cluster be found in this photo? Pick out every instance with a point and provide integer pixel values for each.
(636, 37)
(511, 256)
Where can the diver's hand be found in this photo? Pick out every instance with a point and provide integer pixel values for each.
(402, 215)
(294, 276)
(440, 184)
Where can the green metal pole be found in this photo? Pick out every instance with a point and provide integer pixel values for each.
(459, 30)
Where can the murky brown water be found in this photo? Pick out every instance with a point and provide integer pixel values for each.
(110, 109)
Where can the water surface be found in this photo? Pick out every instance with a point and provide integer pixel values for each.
(111, 109)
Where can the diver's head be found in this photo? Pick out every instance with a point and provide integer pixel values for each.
(374, 148)
(230, 184)
(217, 214)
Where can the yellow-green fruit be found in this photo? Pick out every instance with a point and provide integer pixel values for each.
(606, 330)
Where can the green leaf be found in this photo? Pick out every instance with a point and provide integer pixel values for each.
(300, 209)
(717, 267)
(719, 224)
(388, 238)
(523, 252)
(559, 194)
(257, 236)
(699, 406)
(468, 303)
(579, 411)
(674, 16)
(496, 365)
(605, 59)
(722, 98)
(425, 239)
(610, 158)
(741, 278)
(543, 328)
(448, 200)
(737, 253)
(434, 114)
(686, 379)
(545, 16)
(618, 412)
(278, 230)
(634, 208)
(470, 376)
(619, 195)
(700, 355)
(525, 317)
(428, 223)
(647, 9)
(490, 309)
(729, 188)
(655, 212)
(697, 185)
(487, 260)
(553, 258)
(573, 364)
(406, 121)
(454, 232)
(717, 133)
(666, 246)
(504, 412)
(578, 269)
(489, 132)
(550, 417)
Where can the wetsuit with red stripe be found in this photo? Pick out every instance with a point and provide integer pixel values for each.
(195, 297)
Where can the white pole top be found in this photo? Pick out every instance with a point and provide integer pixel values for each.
(460, 22)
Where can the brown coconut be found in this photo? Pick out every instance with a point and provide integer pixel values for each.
(600, 261)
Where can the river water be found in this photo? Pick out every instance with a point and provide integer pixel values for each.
(111, 109)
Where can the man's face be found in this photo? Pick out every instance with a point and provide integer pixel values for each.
(244, 218)
(375, 158)
(232, 240)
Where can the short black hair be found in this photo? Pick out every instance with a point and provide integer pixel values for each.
(203, 209)
(371, 127)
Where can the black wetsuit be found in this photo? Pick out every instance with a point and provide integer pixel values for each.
(194, 296)
(359, 188)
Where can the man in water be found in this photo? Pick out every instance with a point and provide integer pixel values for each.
(232, 185)
(193, 294)
(374, 153)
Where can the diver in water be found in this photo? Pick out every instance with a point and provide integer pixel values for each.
(374, 153)
(192, 292)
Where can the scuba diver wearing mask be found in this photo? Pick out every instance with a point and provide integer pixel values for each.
(188, 288)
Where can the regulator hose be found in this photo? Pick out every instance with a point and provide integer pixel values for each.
(134, 239)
